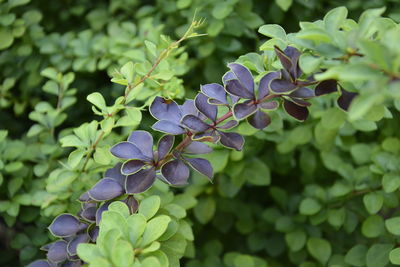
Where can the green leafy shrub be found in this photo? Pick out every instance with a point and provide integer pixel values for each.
(320, 193)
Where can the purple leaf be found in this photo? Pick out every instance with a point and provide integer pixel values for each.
(168, 127)
(345, 99)
(132, 166)
(94, 233)
(203, 166)
(73, 244)
(163, 109)
(64, 225)
(228, 125)
(115, 173)
(210, 111)
(57, 252)
(232, 140)
(165, 145)
(300, 102)
(263, 89)
(228, 76)
(298, 112)
(197, 148)
(132, 204)
(127, 150)
(189, 108)
(234, 87)
(144, 141)
(40, 263)
(106, 189)
(74, 262)
(194, 123)
(140, 181)
(89, 214)
(259, 120)
(211, 136)
(281, 86)
(85, 197)
(175, 172)
(271, 105)
(244, 76)
(302, 92)
(326, 87)
(215, 91)
(294, 55)
(243, 110)
(100, 211)
(283, 58)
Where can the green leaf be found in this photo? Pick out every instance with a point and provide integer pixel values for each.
(308, 63)
(122, 253)
(373, 202)
(320, 249)
(136, 226)
(394, 256)
(75, 157)
(257, 172)
(88, 252)
(378, 255)
(150, 262)
(273, 31)
(309, 206)
(314, 34)
(6, 38)
(50, 73)
(176, 211)
(151, 47)
(284, 4)
(356, 255)
(393, 225)
(335, 18)
(128, 71)
(205, 209)
(221, 10)
(149, 206)
(154, 229)
(296, 240)
(373, 226)
(390, 182)
(119, 207)
(97, 100)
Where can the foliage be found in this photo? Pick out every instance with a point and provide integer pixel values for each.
(339, 206)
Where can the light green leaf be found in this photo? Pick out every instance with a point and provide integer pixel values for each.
(320, 249)
(394, 256)
(6, 38)
(122, 253)
(273, 31)
(334, 18)
(154, 229)
(393, 225)
(97, 100)
(128, 71)
(149, 206)
(373, 226)
(119, 207)
(390, 182)
(136, 225)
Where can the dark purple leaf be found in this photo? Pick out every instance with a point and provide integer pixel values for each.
(232, 140)
(263, 88)
(46, 247)
(197, 148)
(294, 56)
(115, 173)
(127, 150)
(234, 87)
(300, 102)
(228, 76)
(144, 141)
(163, 109)
(100, 211)
(259, 120)
(215, 91)
(57, 252)
(85, 197)
(40, 263)
(140, 181)
(243, 75)
(194, 123)
(283, 58)
(211, 136)
(64, 225)
(326, 87)
(106, 189)
(89, 214)
(203, 166)
(132, 204)
(175, 172)
(189, 108)
(228, 125)
(271, 105)
(210, 111)
(345, 99)
(86, 205)
(74, 262)
(132, 166)
(165, 145)
(243, 110)
(281, 86)
(94, 233)
(168, 127)
(298, 112)
(73, 244)
(302, 92)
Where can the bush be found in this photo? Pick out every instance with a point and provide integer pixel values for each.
(339, 207)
